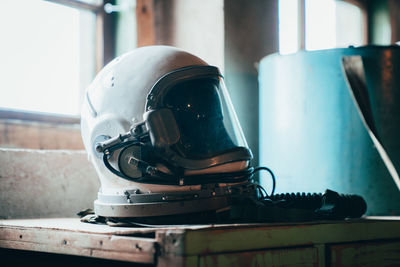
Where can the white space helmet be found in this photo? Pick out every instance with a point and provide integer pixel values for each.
(159, 127)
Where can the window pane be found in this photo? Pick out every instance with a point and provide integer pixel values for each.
(320, 24)
(126, 27)
(47, 56)
(288, 26)
(331, 24)
(349, 25)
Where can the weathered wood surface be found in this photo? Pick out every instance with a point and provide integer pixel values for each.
(70, 236)
(302, 256)
(366, 254)
(340, 243)
(70, 224)
(261, 237)
(39, 135)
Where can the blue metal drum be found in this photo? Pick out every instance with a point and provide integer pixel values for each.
(311, 131)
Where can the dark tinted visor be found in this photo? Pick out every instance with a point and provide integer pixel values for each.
(196, 105)
(192, 121)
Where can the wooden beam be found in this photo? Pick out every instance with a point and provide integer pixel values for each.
(344, 243)
(39, 135)
(74, 241)
(145, 23)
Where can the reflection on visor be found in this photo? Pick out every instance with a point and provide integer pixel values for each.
(197, 108)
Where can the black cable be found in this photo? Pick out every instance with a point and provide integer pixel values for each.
(262, 191)
(272, 177)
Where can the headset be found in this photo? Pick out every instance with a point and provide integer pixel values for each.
(162, 134)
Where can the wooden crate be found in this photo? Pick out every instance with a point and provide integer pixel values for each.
(363, 242)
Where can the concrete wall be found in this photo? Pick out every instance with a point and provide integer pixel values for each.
(200, 29)
(251, 32)
(197, 28)
(45, 183)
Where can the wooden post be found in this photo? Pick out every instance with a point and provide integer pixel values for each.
(145, 23)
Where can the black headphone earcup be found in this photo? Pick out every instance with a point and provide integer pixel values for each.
(126, 164)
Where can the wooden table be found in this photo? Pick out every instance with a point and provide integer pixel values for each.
(373, 241)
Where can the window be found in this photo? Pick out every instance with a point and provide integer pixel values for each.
(319, 24)
(48, 56)
(288, 26)
(50, 52)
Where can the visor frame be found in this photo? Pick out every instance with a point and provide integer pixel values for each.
(160, 88)
(154, 101)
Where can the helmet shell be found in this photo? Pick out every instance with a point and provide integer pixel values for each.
(116, 99)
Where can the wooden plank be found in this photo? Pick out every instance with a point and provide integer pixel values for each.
(76, 251)
(124, 256)
(74, 242)
(74, 224)
(366, 254)
(175, 231)
(275, 257)
(69, 224)
(182, 245)
(20, 245)
(77, 239)
(182, 261)
(216, 240)
(322, 262)
(145, 23)
(39, 135)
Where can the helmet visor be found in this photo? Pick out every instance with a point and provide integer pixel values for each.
(207, 123)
